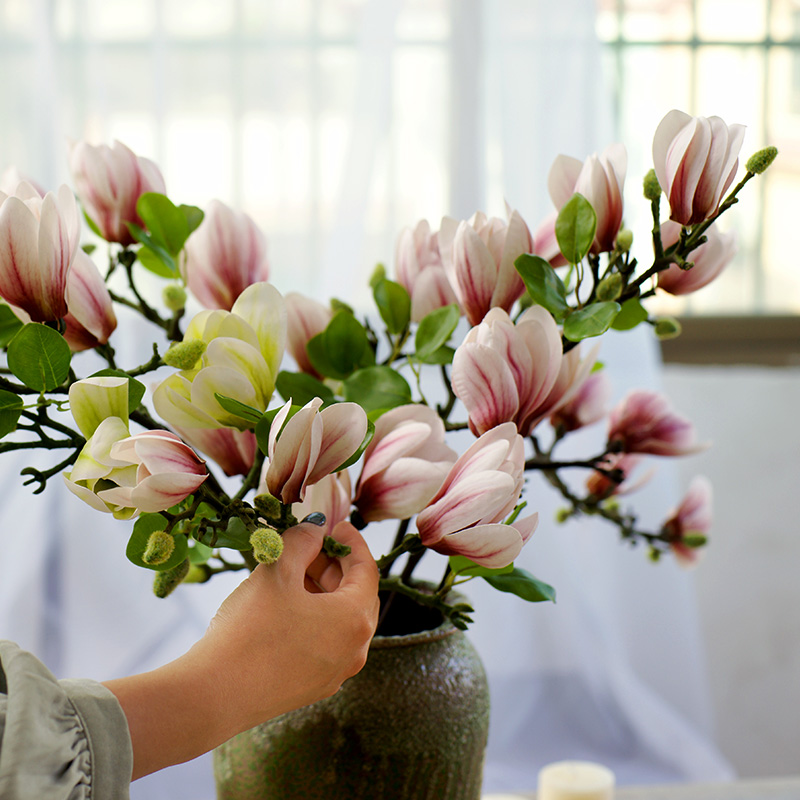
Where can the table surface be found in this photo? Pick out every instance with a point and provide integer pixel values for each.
(772, 789)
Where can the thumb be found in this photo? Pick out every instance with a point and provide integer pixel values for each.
(303, 543)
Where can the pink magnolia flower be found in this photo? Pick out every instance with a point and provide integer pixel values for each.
(233, 450)
(600, 486)
(109, 182)
(329, 495)
(305, 318)
(404, 465)
(481, 489)
(504, 372)
(12, 178)
(692, 516)
(587, 404)
(709, 260)
(545, 243)
(600, 179)
(695, 160)
(478, 257)
(224, 256)
(418, 266)
(644, 422)
(38, 241)
(311, 445)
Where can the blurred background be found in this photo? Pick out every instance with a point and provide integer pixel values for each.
(335, 123)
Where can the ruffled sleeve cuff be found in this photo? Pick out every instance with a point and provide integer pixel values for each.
(59, 740)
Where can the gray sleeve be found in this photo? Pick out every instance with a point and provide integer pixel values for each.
(59, 740)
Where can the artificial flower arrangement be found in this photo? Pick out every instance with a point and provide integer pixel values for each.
(354, 435)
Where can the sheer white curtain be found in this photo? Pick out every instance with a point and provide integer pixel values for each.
(334, 124)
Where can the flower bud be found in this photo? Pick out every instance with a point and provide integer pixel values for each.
(694, 540)
(624, 239)
(174, 296)
(184, 355)
(198, 573)
(267, 506)
(267, 545)
(335, 549)
(652, 188)
(610, 288)
(165, 582)
(562, 515)
(668, 328)
(759, 161)
(160, 546)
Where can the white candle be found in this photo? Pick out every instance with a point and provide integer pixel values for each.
(575, 780)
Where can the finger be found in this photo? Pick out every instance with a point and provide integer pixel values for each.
(326, 572)
(358, 568)
(301, 545)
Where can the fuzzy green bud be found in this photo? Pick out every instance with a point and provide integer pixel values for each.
(160, 546)
(335, 549)
(563, 514)
(174, 296)
(267, 506)
(694, 539)
(668, 328)
(184, 355)
(654, 555)
(267, 545)
(652, 188)
(759, 161)
(610, 288)
(378, 274)
(624, 239)
(166, 582)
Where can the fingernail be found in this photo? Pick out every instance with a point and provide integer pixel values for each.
(315, 518)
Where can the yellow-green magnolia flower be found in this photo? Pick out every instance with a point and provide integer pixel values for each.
(244, 348)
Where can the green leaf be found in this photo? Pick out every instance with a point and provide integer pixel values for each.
(136, 389)
(590, 321)
(10, 325)
(341, 348)
(302, 388)
(233, 406)
(236, 536)
(462, 565)
(143, 527)
(377, 387)
(435, 329)
(168, 225)
(39, 356)
(361, 448)
(632, 313)
(394, 305)
(444, 355)
(10, 409)
(543, 284)
(194, 216)
(199, 553)
(157, 261)
(524, 585)
(92, 225)
(575, 228)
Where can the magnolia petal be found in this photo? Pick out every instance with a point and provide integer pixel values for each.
(172, 400)
(160, 492)
(262, 307)
(210, 381)
(476, 273)
(89, 302)
(518, 240)
(401, 441)
(94, 399)
(527, 526)
(344, 426)
(493, 546)
(562, 178)
(19, 257)
(85, 494)
(665, 134)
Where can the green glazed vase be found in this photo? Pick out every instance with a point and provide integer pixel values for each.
(412, 725)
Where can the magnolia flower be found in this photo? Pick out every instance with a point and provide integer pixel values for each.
(692, 517)
(478, 257)
(38, 241)
(504, 372)
(244, 347)
(90, 318)
(545, 243)
(481, 489)
(709, 260)
(644, 422)
(12, 178)
(312, 444)
(404, 465)
(600, 486)
(419, 269)
(123, 474)
(330, 496)
(600, 180)
(224, 256)
(109, 182)
(234, 450)
(305, 318)
(586, 405)
(695, 160)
